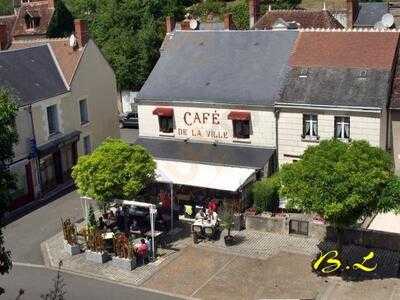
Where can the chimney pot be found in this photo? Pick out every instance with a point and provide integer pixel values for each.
(170, 24)
(254, 11)
(228, 22)
(81, 32)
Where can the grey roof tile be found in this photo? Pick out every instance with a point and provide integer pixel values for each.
(30, 74)
(337, 87)
(230, 67)
(198, 152)
(369, 13)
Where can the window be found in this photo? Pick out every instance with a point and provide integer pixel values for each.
(342, 127)
(87, 147)
(52, 119)
(298, 227)
(241, 129)
(310, 126)
(166, 124)
(32, 22)
(83, 111)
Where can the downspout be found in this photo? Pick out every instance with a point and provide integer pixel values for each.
(276, 113)
(36, 158)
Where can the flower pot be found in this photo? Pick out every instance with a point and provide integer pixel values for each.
(229, 240)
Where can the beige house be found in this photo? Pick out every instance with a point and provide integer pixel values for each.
(59, 125)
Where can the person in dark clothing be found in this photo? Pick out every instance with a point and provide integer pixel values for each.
(101, 225)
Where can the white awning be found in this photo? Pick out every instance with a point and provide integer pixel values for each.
(202, 175)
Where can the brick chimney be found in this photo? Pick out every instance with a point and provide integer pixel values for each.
(254, 11)
(170, 24)
(81, 32)
(51, 3)
(3, 36)
(352, 11)
(228, 22)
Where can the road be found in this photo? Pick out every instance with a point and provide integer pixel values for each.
(36, 281)
(24, 236)
(129, 134)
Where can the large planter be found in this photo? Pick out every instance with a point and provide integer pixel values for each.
(97, 257)
(72, 249)
(123, 263)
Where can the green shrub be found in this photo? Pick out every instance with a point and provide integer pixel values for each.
(240, 13)
(265, 194)
(203, 9)
(91, 217)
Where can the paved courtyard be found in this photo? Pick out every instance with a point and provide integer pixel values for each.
(208, 274)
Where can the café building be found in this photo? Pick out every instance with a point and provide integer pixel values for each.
(206, 112)
(224, 108)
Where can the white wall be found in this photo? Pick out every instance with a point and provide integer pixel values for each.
(290, 126)
(262, 125)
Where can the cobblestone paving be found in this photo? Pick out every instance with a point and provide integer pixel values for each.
(78, 263)
(264, 244)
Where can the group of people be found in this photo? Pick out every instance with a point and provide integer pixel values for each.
(210, 213)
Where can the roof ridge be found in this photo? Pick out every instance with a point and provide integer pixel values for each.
(40, 40)
(347, 30)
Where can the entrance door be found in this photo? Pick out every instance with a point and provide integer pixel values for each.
(48, 173)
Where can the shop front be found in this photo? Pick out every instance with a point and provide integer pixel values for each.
(193, 174)
(56, 159)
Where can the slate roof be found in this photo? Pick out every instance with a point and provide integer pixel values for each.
(306, 19)
(67, 57)
(31, 74)
(221, 154)
(369, 13)
(337, 87)
(357, 49)
(230, 67)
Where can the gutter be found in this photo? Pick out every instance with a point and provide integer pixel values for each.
(329, 107)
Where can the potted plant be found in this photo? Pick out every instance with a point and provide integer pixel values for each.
(227, 223)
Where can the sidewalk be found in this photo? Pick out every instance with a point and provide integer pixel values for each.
(53, 251)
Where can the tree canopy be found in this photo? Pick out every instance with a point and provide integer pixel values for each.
(115, 170)
(62, 23)
(342, 182)
(129, 32)
(8, 138)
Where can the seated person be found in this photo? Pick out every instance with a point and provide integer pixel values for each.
(201, 214)
(111, 216)
(213, 205)
(212, 216)
(141, 249)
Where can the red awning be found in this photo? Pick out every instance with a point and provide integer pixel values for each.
(239, 115)
(163, 112)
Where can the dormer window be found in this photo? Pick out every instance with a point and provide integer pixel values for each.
(32, 19)
(304, 73)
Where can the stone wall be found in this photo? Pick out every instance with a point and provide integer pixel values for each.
(356, 236)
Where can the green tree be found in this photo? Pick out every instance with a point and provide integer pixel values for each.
(8, 138)
(114, 170)
(240, 14)
(62, 23)
(265, 194)
(6, 7)
(341, 182)
(129, 32)
(91, 217)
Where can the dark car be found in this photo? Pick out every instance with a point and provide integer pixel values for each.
(129, 120)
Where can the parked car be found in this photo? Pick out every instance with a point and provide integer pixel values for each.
(129, 120)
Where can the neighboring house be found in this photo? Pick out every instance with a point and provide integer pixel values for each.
(293, 19)
(253, 100)
(33, 19)
(82, 117)
(30, 21)
(365, 14)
